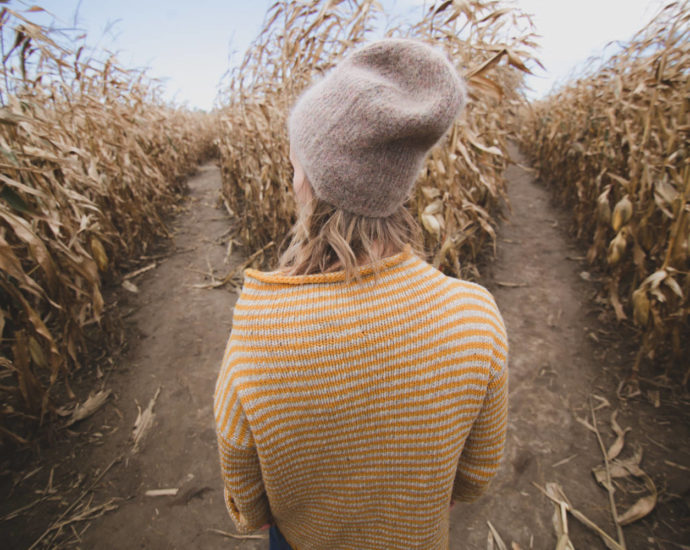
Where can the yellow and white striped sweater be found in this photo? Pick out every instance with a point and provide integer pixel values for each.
(350, 413)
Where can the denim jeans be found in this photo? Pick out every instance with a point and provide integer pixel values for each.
(277, 540)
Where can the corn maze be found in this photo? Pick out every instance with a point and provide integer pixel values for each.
(99, 174)
(613, 145)
(92, 160)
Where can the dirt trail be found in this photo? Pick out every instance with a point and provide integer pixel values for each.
(555, 366)
(176, 339)
(561, 357)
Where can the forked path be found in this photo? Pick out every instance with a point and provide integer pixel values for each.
(177, 341)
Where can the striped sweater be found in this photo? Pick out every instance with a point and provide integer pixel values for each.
(350, 413)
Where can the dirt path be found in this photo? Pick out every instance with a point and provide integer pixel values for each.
(562, 356)
(556, 365)
(183, 334)
(177, 337)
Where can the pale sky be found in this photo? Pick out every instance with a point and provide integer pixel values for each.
(192, 44)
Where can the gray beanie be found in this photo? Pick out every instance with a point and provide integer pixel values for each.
(362, 132)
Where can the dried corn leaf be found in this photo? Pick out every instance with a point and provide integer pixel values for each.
(144, 422)
(642, 507)
(620, 468)
(162, 492)
(555, 493)
(129, 286)
(496, 537)
(88, 407)
(617, 446)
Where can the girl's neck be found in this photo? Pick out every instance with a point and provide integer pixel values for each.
(384, 251)
(378, 250)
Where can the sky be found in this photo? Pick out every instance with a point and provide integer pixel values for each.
(192, 44)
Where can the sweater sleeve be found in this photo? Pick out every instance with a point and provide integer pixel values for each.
(485, 443)
(245, 496)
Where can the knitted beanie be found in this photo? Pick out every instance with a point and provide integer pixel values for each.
(362, 133)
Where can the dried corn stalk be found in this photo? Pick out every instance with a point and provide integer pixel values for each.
(458, 195)
(89, 161)
(614, 145)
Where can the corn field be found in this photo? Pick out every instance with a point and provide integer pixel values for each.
(614, 145)
(91, 161)
(458, 196)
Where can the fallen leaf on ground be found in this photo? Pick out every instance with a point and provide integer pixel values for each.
(88, 407)
(560, 519)
(617, 446)
(643, 506)
(143, 422)
(564, 461)
(162, 492)
(234, 536)
(130, 287)
(620, 468)
(138, 272)
(603, 402)
(497, 538)
(555, 493)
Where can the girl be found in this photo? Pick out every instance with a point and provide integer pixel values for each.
(362, 390)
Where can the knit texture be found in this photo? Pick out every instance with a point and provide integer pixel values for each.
(362, 132)
(349, 413)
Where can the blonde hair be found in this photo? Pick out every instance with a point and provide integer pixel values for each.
(326, 239)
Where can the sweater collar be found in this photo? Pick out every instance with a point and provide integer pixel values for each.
(277, 277)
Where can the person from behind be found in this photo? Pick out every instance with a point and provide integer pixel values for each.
(362, 390)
